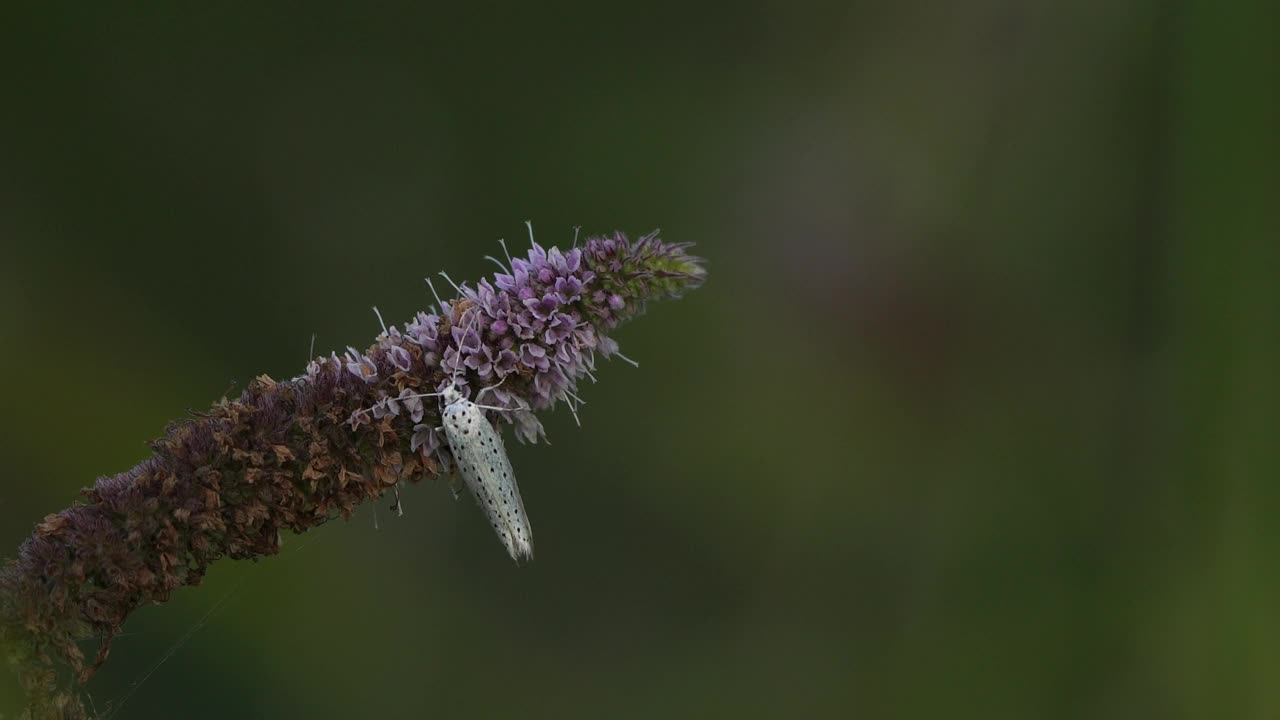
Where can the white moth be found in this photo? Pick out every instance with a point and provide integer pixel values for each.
(481, 459)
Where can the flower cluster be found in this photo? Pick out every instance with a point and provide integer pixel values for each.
(532, 333)
(292, 455)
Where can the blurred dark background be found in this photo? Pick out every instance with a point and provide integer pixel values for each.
(974, 417)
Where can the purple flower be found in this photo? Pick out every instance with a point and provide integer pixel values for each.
(359, 416)
(522, 325)
(412, 404)
(537, 255)
(400, 357)
(465, 335)
(484, 296)
(534, 356)
(451, 363)
(313, 369)
(556, 260)
(568, 289)
(505, 362)
(550, 382)
(542, 309)
(361, 366)
(536, 328)
(528, 427)
(607, 346)
(566, 355)
(424, 330)
(559, 329)
(424, 438)
(481, 361)
(384, 407)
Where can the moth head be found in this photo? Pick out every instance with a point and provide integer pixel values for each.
(450, 395)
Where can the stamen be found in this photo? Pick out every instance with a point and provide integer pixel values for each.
(445, 275)
(435, 294)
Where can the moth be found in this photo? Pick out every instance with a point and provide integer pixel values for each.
(481, 459)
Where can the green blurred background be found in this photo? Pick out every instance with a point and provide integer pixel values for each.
(974, 417)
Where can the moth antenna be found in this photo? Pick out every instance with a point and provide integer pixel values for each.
(491, 387)
(368, 410)
(418, 395)
(520, 405)
(495, 407)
